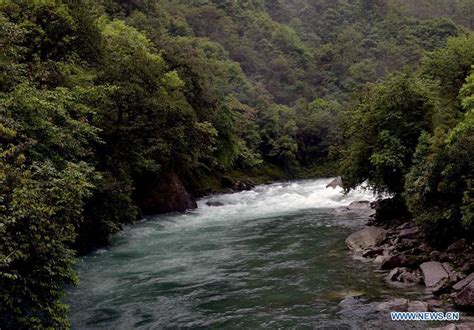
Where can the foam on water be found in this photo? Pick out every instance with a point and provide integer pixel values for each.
(267, 201)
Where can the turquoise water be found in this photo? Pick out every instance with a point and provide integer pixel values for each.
(272, 257)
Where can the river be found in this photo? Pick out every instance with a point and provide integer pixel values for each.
(270, 257)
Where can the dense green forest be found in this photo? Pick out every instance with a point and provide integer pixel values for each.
(103, 102)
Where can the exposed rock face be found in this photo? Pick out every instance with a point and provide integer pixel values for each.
(367, 237)
(337, 182)
(165, 194)
(433, 273)
(465, 298)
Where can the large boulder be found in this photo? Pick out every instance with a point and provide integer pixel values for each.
(365, 238)
(337, 182)
(163, 194)
(465, 298)
(433, 273)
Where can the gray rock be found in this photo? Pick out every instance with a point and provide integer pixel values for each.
(442, 287)
(435, 255)
(236, 185)
(409, 277)
(372, 252)
(411, 260)
(468, 267)
(388, 249)
(357, 205)
(243, 185)
(380, 259)
(418, 306)
(398, 305)
(408, 233)
(457, 246)
(435, 303)
(402, 274)
(433, 272)
(465, 298)
(214, 203)
(165, 193)
(461, 284)
(445, 257)
(341, 210)
(365, 238)
(425, 248)
(406, 225)
(454, 276)
(394, 274)
(406, 244)
(337, 182)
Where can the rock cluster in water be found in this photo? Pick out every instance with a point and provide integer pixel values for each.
(447, 275)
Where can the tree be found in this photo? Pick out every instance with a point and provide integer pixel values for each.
(439, 187)
(383, 130)
(450, 65)
(278, 124)
(318, 130)
(45, 182)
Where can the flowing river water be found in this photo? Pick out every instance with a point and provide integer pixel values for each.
(270, 257)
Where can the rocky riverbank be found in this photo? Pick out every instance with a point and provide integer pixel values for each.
(397, 249)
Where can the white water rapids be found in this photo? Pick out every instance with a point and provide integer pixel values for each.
(266, 201)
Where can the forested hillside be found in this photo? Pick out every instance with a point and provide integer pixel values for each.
(106, 106)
